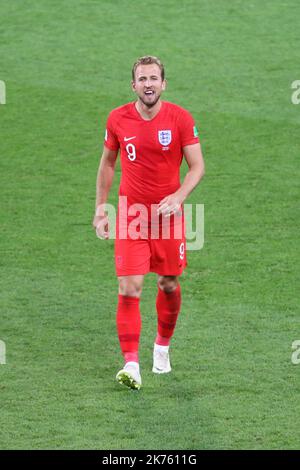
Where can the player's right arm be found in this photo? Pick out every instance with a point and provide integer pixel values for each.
(105, 177)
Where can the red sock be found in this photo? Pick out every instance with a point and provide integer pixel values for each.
(129, 326)
(168, 307)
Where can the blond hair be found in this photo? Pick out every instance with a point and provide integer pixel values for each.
(148, 60)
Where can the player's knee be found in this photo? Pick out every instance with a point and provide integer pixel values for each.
(167, 283)
(130, 289)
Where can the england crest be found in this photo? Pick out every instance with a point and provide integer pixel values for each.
(165, 137)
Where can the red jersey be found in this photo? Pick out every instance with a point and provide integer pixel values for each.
(151, 151)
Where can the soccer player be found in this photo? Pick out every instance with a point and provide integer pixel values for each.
(152, 136)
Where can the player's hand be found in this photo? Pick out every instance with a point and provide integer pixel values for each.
(170, 205)
(101, 224)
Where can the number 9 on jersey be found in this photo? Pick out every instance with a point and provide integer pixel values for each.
(131, 152)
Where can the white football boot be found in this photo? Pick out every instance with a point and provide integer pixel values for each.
(161, 359)
(130, 376)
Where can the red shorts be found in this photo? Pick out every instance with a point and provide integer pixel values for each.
(154, 251)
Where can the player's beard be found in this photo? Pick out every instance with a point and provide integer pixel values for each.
(151, 104)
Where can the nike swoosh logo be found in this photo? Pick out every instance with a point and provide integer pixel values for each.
(129, 138)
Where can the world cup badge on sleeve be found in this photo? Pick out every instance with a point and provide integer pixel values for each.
(165, 137)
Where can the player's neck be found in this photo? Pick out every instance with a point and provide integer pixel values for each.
(145, 112)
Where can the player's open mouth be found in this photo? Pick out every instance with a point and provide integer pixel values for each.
(149, 93)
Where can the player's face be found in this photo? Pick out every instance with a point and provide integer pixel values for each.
(148, 84)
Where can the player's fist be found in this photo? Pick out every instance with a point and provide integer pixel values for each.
(101, 224)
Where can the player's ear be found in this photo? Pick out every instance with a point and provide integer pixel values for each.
(164, 85)
(133, 85)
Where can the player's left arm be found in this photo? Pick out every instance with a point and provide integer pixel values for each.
(194, 158)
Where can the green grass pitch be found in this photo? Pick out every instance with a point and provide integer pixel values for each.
(66, 64)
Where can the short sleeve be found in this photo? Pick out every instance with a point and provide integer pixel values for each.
(111, 139)
(187, 129)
